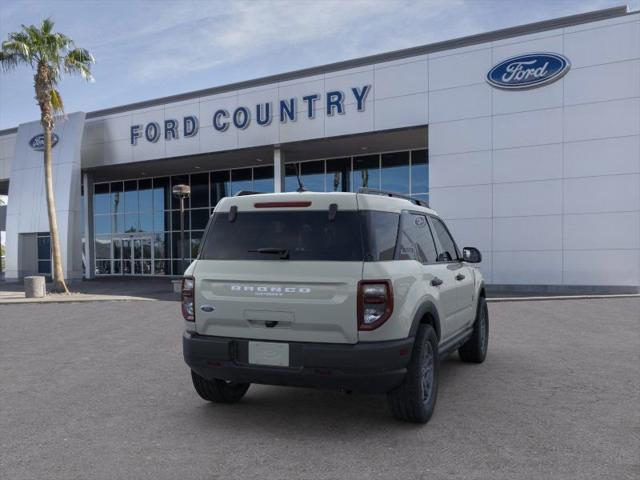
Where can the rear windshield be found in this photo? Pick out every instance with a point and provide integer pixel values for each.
(300, 235)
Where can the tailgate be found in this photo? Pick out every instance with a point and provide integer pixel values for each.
(311, 301)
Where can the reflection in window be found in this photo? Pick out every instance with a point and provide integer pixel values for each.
(241, 180)
(219, 186)
(145, 195)
(101, 198)
(263, 179)
(161, 194)
(395, 172)
(131, 204)
(117, 197)
(200, 190)
(366, 172)
(338, 175)
(313, 175)
(291, 177)
(419, 172)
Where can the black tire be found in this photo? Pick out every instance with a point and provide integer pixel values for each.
(474, 350)
(415, 398)
(219, 391)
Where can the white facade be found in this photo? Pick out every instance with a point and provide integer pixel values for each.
(544, 181)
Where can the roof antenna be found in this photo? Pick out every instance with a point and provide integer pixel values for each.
(300, 184)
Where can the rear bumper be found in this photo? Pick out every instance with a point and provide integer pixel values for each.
(373, 367)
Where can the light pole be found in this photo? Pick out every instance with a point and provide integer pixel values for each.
(182, 192)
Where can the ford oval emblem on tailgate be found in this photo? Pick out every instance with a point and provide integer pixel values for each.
(207, 308)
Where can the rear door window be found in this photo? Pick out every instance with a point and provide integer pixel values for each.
(380, 231)
(303, 235)
(416, 241)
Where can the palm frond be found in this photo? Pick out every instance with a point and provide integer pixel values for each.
(56, 101)
(79, 61)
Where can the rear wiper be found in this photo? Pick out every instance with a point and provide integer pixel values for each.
(283, 252)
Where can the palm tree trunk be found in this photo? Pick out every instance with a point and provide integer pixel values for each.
(59, 284)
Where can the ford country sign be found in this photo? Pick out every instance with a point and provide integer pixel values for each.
(528, 71)
(37, 142)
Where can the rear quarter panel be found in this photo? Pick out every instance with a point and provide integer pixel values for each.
(411, 289)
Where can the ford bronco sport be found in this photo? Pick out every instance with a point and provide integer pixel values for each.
(358, 292)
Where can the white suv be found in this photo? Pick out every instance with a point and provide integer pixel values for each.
(352, 291)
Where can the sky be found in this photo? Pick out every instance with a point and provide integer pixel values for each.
(150, 49)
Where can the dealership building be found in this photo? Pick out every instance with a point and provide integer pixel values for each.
(526, 140)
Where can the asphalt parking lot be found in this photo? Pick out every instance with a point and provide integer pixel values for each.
(99, 390)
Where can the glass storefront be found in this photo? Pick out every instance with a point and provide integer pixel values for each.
(137, 222)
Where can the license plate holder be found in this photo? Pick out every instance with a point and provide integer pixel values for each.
(269, 353)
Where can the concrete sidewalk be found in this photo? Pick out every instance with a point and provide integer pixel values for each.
(104, 289)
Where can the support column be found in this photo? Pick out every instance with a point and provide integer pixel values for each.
(87, 204)
(278, 170)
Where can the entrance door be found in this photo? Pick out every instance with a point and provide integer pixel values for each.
(135, 254)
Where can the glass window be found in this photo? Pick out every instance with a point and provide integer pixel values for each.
(103, 247)
(131, 222)
(380, 232)
(175, 220)
(416, 242)
(291, 177)
(199, 218)
(219, 186)
(131, 203)
(161, 194)
(313, 175)
(145, 195)
(338, 175)
(200, 190)
(44, 267)
(146, 222)
(179, 180)
(304, 235)
(419, 171)
(117, 198)
(103, 267)
(161, 222)
(366, 172)
(241, 180)
(101, 198)
(117, 248)
(175, 244)
(102, 224)
(44, 247)
(395, 172)
(117, 223)
(161, 245)
(161, 267)
(196, 239)
(263, 179)
(448, 251)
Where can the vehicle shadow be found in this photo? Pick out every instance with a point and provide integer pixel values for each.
(288, 410)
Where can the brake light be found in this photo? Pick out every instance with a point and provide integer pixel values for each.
(281, 204)
(375, 303)
(187, 300)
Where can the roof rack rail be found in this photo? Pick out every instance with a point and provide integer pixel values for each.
(242, 193)
(384, 193)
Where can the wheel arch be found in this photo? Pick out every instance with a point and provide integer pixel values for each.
(427, 314)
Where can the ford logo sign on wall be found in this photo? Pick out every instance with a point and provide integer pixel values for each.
(528, 71)
(37, 142)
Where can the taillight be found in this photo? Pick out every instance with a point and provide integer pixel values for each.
(188, 294)
(375, 303)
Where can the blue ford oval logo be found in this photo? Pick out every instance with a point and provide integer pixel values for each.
(528, 71)
(37, 142)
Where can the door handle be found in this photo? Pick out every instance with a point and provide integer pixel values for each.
(459, 277)
(436, 282)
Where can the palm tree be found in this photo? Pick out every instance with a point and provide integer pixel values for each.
(50, 55)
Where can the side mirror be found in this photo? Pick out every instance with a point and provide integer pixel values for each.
(471, 255)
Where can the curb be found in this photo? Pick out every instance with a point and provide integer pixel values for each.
(45, 300)
(560, 297)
